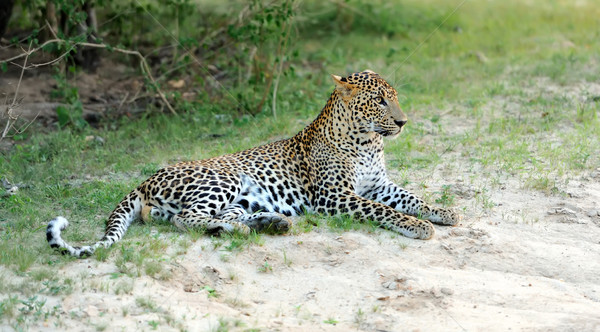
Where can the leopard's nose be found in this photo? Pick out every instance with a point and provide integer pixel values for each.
(400, 123)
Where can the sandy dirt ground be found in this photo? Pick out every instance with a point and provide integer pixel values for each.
(529, 264)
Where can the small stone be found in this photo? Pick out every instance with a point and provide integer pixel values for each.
(563, 211)
(191, 288)
(97, 139)
(211, 270)
(593, 213)
(390, 285)
(382, 325)
(436, 293)
(571, 220)
(446, 247)
(176, 84)
(481, 57)
(91, 311)
(446, 291)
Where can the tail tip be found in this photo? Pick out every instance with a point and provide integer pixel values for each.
(60, 222)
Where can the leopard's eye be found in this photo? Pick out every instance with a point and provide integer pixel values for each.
(380, 100)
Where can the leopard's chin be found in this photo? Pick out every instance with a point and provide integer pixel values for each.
(392, 134)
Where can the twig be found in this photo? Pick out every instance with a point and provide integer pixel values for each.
(173, 69)
(281, 52)
(16, 57)
(51, 30)
(20, 41)
(264, 97)
(135, 96)
(143, 63)
(11, 119)
(275, 86)
(122, 101)
(20, 79)
(250, 58)
(25, 126)
(8, 121)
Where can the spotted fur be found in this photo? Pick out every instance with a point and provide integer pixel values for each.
(334, 166)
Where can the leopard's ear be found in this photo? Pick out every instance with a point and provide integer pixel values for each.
(338, 80)
(369, 71)
(342, 84)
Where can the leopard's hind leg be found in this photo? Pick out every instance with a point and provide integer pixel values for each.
(152, 213)
(188, 218)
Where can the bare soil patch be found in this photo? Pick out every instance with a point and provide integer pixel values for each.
(492, 272)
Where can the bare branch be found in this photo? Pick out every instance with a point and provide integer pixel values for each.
(20, 79)
(280, 53)
(143, 63)
(11, 118)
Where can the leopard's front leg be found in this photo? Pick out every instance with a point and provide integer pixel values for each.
(385, 216)
(390, 194)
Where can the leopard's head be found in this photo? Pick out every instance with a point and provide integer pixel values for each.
(371, 103)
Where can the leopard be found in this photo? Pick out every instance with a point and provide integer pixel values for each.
(334, 166)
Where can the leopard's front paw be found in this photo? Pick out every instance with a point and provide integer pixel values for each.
(425, 230)
(412, 227)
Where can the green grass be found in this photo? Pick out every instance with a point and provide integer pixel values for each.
(489, 93)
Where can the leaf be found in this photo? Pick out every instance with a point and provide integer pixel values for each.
(63, 115)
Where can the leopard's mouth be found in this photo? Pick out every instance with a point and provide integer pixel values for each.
(390, 133)
(394, 135)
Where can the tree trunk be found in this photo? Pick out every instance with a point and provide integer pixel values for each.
(5, 12)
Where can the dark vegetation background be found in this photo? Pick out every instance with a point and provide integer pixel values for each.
(194, 56)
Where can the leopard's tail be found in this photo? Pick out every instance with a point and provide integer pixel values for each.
(128, 210)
